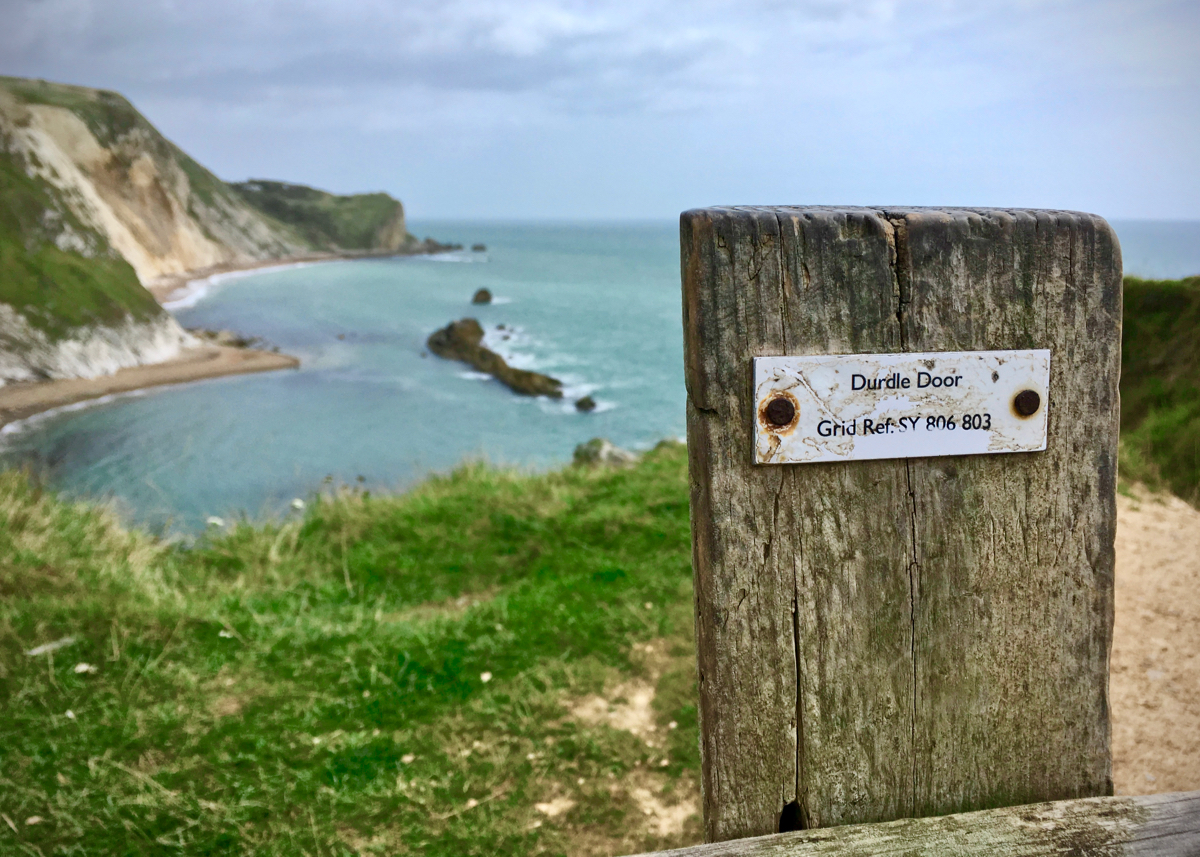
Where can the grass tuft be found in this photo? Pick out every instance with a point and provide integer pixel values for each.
(385, 675)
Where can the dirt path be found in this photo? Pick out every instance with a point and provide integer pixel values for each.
(18, 401)
(1155, 678)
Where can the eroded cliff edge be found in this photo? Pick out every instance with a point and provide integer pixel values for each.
(96, 206)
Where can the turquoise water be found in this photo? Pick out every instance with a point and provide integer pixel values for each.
(594, 305)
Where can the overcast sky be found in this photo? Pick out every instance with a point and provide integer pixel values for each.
(555, 108)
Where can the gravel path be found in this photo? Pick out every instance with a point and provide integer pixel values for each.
(1155, 679)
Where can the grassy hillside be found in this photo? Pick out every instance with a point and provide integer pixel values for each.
(364, 221)
(411, 674)
(492, 663)
(57, 265)
(59, 288)
(108, 115)
(1160, 385)
(320, 220)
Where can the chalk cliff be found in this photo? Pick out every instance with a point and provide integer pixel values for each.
(96, 205)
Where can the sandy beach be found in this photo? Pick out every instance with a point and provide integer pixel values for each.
(18, 401)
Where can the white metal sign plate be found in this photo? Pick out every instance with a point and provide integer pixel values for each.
(851, 407)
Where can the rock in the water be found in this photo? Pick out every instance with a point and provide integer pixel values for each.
(429, 245)
(587, 403)
(600, 451)
(479, 248)
(462, 340)
(483, 296)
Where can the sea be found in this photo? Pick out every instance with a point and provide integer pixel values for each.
(596, 305)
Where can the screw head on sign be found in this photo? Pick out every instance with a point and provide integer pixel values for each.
(780, 411)
(1027, 403)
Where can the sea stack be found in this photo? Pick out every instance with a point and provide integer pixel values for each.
(482, 296)
(462, 340)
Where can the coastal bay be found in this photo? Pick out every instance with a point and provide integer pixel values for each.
(594, 305)
(590, 304)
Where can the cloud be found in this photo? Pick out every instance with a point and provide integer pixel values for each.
(642, 55)
(960, 88)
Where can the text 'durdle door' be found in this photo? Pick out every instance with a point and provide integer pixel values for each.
(903, 589)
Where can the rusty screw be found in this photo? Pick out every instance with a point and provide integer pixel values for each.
(1027, 402)
(780, 411)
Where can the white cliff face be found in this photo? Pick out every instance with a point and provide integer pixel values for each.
(136, 194)
(110, 185)
(118, 189)
(27, 354)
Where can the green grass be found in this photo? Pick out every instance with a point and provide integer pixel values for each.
(1160, 385)
(316, 686)
(58, 290)
(326, 221)
(108, 115)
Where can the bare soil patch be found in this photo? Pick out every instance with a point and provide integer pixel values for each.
(659, 811)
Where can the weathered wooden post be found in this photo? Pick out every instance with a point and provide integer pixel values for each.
(904, 589)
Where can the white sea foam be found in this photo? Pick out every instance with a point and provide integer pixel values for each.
(194, 291)
(452, 256)
(17, 427)
(510, 343)
(518, 349)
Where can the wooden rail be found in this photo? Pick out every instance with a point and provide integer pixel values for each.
(1165, 825)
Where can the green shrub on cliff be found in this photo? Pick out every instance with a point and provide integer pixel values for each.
(1160, 385)
(365, 221)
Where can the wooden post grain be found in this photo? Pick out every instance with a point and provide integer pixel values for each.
(905, 637)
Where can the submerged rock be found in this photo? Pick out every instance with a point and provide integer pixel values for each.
(587, 403)
(482, 296)
(599, 451)
(478, 248)
(462, 340)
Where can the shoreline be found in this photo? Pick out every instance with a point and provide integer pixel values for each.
(165, 287)
(20, 401)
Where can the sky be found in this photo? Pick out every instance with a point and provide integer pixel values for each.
(562, 109)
